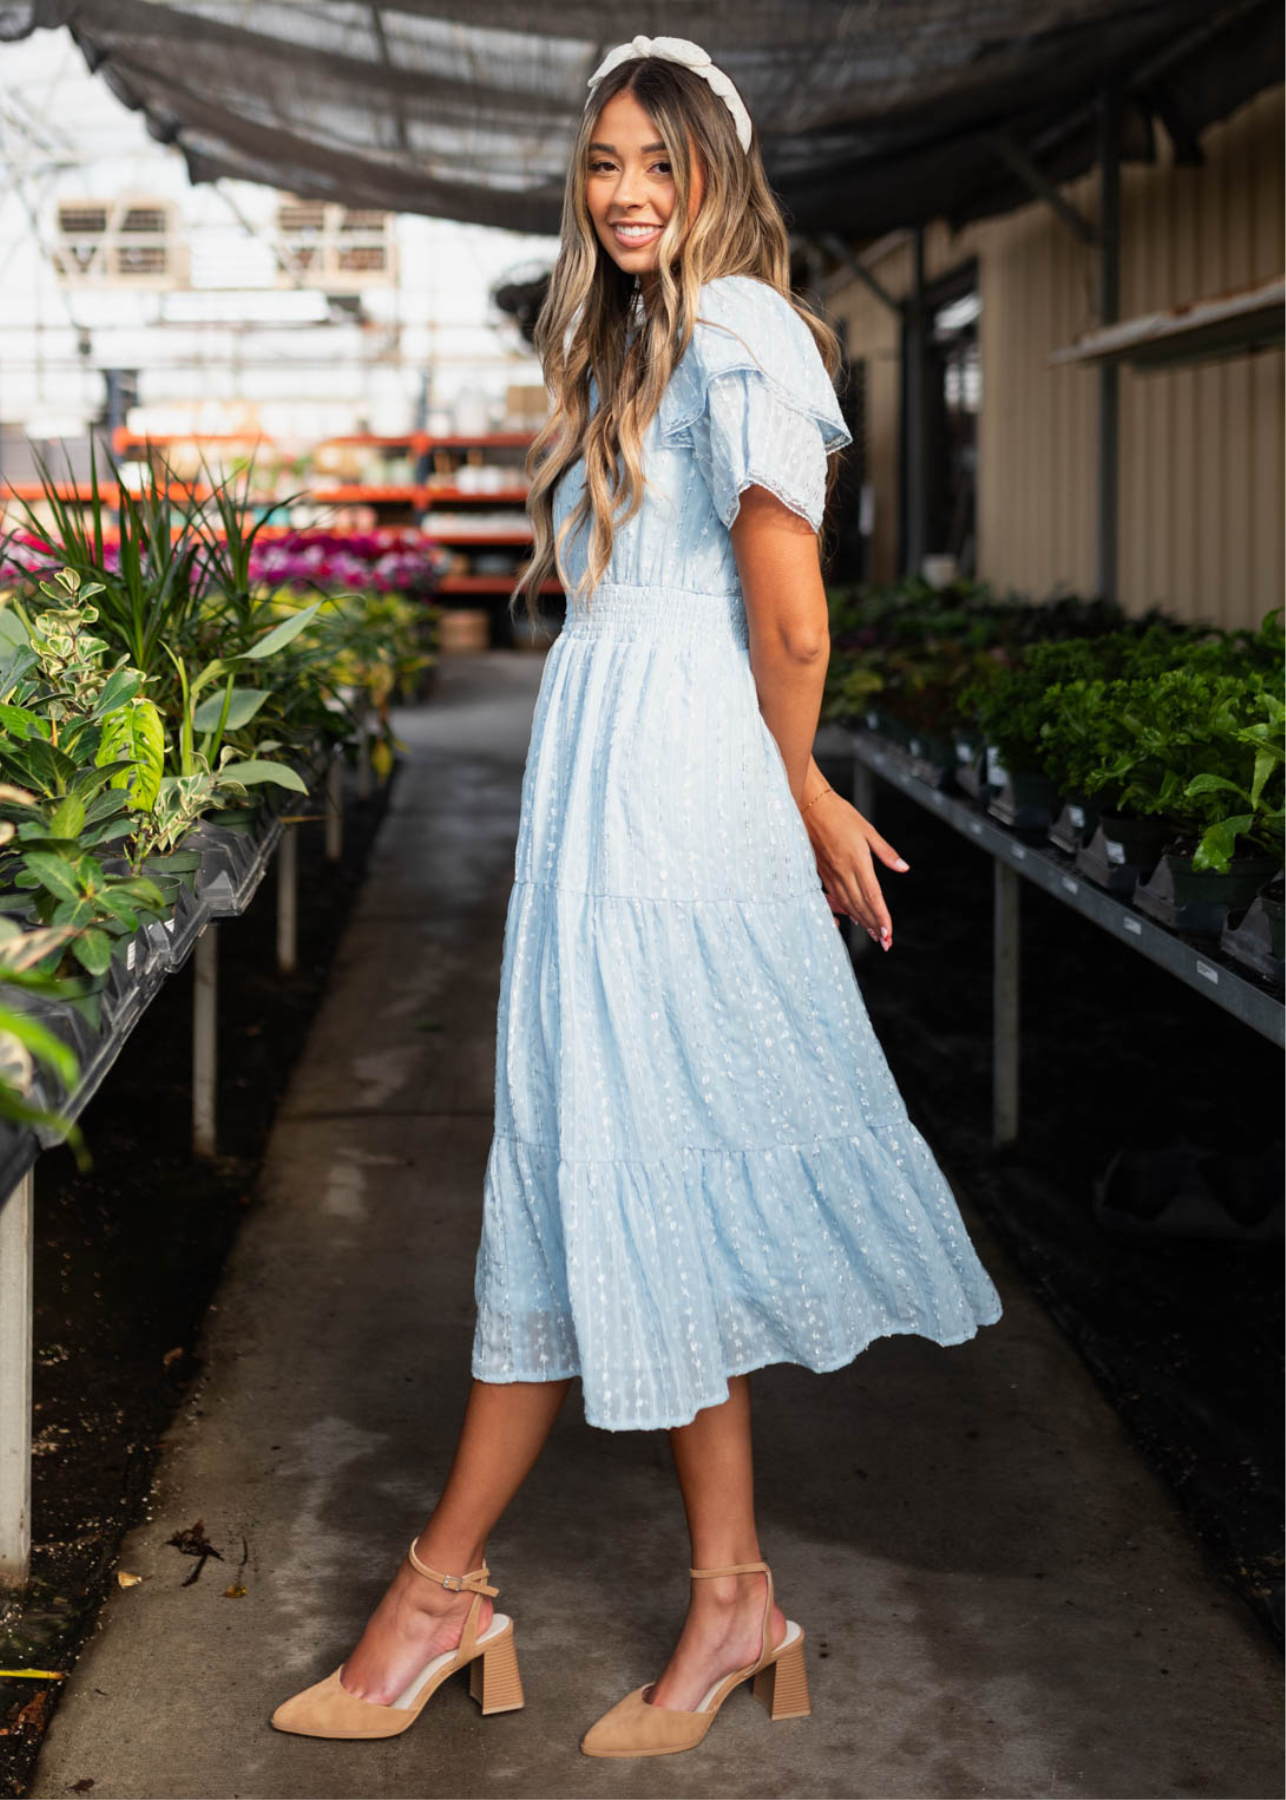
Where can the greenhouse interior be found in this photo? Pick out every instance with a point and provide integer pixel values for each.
(369, 882)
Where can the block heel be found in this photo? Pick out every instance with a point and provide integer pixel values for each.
(782, 1688)
(328, 1710)
(494, 1681)
(634, 1727)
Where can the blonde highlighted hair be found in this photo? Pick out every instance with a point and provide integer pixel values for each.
(584, 326)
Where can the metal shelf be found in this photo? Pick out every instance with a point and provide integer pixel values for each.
(1232, 324)
(1209, 972)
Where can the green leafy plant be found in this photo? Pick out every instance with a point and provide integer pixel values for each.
(26, 1043)
(1205, 751)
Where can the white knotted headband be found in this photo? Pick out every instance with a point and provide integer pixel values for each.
(692, 56)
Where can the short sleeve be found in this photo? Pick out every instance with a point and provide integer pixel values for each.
(753, 400)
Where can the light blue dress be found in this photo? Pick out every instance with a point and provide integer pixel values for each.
(701, 1162)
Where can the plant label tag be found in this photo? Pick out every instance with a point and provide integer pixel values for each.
(1115, 851)
(1070, 886)
(1134, 925)
(1077, 815)
(129, 957)
(964, 753)
(170, 924)
(1211, 975)
(996, 770)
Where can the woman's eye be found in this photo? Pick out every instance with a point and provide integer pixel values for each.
(664, 167)
(596, 168)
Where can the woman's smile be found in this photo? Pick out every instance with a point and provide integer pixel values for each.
(632, 236)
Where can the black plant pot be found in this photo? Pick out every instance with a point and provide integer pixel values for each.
(971, 768)
(1024, 799)
(933, 757)
(1198, 900)
(1122, 852)
(1075, 824)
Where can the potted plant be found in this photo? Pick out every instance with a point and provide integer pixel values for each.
(1207, 757)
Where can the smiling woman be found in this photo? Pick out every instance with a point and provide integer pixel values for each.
(701, 1164)
(629, 185)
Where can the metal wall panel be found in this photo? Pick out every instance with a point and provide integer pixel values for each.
(1202, 465)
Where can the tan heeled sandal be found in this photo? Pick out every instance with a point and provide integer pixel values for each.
(633, 1727)
(328, 1710)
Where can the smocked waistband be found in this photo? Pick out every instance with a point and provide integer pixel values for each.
(627, 613)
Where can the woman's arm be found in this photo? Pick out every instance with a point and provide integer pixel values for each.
(786, 609)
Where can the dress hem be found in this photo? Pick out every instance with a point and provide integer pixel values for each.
(657, 1424)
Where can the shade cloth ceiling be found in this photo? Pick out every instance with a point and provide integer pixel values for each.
(874, 113)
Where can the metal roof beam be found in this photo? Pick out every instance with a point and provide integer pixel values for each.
(1039, 186)
(853, 262)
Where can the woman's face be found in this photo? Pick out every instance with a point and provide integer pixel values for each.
(629, 185)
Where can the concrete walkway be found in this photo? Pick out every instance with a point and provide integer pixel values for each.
(1000, 1598)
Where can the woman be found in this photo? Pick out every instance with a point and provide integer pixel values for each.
(701, 1163)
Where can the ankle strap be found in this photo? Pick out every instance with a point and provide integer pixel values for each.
(475, 1582)
(733, 1569)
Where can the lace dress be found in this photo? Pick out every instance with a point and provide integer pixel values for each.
(701, 1163)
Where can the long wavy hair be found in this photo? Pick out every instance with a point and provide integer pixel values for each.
(592, 306)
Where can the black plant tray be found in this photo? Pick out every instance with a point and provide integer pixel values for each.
(19, 1148)
(234, 860)
(1255, 940)
(1122, 852)
(971, 777)
(1199, 902)
(1074, 826)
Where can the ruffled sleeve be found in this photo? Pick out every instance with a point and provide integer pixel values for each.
(752, 398)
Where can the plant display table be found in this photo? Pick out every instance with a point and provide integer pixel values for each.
(1047, 867)
(232, 867)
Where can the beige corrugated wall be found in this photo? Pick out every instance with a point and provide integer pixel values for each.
(1201, 448)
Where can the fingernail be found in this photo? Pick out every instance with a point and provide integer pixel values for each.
(900, 864)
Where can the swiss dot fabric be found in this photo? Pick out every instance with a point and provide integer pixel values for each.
(701, 1163)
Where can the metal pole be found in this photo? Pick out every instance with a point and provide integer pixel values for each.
(17, 1236)
(205, 1015)
(335, 809)
(1006, 945)
(288, 901)
(1109, 375)
(914, 381)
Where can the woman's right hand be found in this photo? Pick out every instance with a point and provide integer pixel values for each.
(845, 844)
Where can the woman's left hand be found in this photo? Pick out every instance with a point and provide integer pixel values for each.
(845, 844)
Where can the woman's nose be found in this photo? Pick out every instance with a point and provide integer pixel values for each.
(627, 190)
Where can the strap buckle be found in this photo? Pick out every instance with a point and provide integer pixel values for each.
(454, 1582)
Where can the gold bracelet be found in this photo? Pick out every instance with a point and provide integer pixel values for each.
(816, 797)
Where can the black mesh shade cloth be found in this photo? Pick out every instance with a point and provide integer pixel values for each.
(874, 114)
